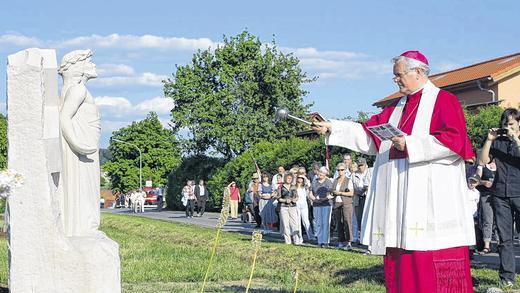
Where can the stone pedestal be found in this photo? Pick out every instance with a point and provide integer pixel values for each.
(41, 258)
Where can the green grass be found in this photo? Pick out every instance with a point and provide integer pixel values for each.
(159, 256)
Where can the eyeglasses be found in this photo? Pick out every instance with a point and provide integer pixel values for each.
(400, 75)
(341, 169)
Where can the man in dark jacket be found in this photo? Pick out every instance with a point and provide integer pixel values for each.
(201, 193)
(503, 145)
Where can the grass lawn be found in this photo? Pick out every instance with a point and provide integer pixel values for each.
(159, 256)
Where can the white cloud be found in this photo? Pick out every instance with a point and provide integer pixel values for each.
(118, 112)
(446, 66)
(109, 126)
(331, 64)
(338, 64)
(19, 40)
(115, 70)
(159, 105)
(146, 78)
(137, 42)
(114, 104)
(314, 53)
(122, 107)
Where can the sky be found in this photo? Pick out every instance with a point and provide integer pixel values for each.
(347, 44)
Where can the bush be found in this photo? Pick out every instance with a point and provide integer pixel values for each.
(191, 168)
(480, 121)
(270, 155)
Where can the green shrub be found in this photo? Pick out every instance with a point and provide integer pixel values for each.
(270, 155)
(191, 168)
(479, 121)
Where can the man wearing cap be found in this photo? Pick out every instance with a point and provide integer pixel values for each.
(415, 211)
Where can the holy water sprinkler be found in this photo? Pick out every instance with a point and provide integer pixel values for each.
(284, 114)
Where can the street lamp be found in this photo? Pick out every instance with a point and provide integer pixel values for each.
(140, 161)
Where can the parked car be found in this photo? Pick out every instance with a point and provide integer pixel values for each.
(151, 196)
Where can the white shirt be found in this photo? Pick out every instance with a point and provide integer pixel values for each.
(202, 190)
(302, 196)
(274, 182)
(361, 180)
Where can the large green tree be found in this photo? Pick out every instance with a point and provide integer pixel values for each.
(226, 99)
(3, 142)
(159, 148)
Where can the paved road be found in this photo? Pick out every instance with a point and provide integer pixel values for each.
(210, 220)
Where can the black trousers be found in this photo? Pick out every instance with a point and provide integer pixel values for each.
(190, 206)
(505, 207)
(258, 218)
(159, 203)
(359, 214)
(201, 205)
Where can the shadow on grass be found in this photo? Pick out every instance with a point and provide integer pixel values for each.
(236, 288)
(373, 274)
(484, 281)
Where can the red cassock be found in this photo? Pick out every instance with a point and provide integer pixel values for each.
(444, 270)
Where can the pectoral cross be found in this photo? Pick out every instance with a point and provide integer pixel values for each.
(417, 229)
(379, 234)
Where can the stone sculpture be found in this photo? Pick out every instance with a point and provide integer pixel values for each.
(80, 125)
(53, 247)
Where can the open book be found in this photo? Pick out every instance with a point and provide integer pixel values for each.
(385, 131)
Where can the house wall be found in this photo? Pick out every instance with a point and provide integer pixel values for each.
(509, 91)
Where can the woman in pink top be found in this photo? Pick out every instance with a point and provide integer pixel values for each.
(234, 196)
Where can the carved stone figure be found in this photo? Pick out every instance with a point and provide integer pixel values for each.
(80, 128)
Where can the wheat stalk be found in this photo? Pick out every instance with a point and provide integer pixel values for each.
(224, 213)
(296, 275)
(256, 240)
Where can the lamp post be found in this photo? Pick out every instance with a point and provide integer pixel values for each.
(140, 161)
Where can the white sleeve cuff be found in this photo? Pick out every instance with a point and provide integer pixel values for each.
(351, 135)
(428, 148)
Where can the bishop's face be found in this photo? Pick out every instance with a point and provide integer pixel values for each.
(408, 81)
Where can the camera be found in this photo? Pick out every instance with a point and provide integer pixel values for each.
(502, 131)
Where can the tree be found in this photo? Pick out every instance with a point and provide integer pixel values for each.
(3, 142)
(192, 168)
(227, 99)
(160, 154)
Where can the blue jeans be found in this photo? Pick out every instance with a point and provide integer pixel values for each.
(322, 217)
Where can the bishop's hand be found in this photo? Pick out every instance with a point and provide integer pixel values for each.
(321, 127)
(399, 142)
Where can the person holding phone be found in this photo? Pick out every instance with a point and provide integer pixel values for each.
(503, 145)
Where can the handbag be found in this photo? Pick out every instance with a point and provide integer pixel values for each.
(184, 200)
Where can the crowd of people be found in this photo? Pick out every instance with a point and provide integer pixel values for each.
(135, 199)
(315, 204)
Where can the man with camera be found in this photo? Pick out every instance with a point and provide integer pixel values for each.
(503, 145)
